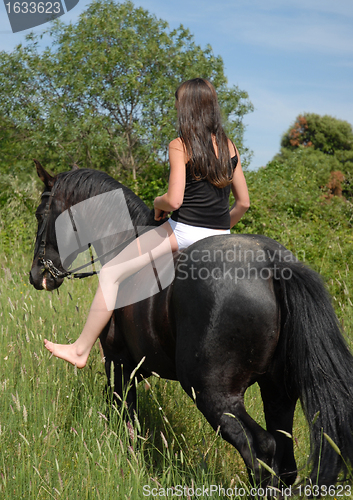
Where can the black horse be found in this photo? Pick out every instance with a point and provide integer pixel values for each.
(240, 310)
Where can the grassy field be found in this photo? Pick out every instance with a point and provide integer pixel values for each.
(60, 440)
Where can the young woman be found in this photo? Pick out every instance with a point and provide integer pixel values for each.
(204, 167)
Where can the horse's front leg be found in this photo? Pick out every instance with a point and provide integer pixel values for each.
(119, 365)
(118, 369)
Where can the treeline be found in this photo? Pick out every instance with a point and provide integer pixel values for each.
(309, 180)
(102, 95)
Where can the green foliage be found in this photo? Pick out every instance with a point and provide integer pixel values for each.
(154, 183)
(325, 133)
(102, 95)
(18, 201)
(326, 144)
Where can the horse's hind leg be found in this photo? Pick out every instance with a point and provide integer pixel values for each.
(279, 413)
(227, 412)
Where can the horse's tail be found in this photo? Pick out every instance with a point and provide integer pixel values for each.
(318, 368)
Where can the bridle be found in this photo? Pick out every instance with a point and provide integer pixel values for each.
(48, 264)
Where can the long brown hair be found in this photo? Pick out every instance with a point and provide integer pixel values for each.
(199, 119)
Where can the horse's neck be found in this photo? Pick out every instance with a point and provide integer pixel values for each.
(118, 216)
(139, 212)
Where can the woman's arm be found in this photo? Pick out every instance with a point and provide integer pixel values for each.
(173, 198)
(241, 194)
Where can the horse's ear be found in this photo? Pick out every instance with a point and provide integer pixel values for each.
(75, 167)
(44, 175)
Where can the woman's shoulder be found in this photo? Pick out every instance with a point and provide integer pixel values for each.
(177, 149)
(176, 144)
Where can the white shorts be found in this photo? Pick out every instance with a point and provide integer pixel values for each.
(186, 234)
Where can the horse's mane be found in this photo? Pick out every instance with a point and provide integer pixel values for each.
(81, 184)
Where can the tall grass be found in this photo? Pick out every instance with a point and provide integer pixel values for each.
(60, 439)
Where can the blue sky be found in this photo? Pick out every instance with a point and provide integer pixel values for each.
(290, 56)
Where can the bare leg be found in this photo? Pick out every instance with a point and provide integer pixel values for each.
(134, 257)
(77, 353)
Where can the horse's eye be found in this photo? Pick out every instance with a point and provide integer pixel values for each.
(39, 217)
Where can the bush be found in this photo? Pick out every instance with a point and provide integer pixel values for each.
(18, 202)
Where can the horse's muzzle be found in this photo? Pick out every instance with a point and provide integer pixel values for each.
(44, 281)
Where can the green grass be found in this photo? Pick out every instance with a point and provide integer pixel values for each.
(58, 437)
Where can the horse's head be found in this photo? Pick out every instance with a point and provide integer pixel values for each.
(80, 208)
(47, 270)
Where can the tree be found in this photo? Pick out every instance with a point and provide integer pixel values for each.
(102, 95)
(323, 145)
(324, 133)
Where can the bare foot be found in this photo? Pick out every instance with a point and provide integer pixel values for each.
(68, 352)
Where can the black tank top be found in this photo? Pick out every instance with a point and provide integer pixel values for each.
(204, 205)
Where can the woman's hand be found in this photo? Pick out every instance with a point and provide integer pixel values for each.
(160, 214)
